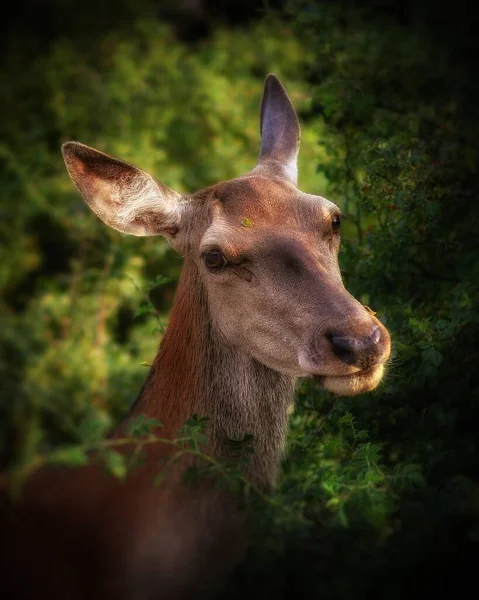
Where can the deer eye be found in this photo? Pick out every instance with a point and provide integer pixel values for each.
(336, 223)
(214, 260)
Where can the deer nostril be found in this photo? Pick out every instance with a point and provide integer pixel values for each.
(376, 336)
(351, 350)
(343, 347)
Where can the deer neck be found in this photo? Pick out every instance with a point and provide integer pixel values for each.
(197, 372)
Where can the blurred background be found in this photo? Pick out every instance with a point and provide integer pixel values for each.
(379, 494)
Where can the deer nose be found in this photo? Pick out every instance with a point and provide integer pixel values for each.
(355, 350)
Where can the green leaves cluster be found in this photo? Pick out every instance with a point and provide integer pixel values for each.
(122, 455)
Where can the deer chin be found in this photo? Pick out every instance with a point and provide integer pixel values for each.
(354, 384)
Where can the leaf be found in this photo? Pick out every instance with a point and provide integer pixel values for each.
(361, 435)
(408, 475)
(92, 428)
(195, 425)
(328, 487)
(347, 419)
(332, 502)
(157, 281)
(432, 356)
(73, 456)
(115, 464)
(142, 425)
(144, 309)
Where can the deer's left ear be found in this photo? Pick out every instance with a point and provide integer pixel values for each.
(123, 196)
(280, 132)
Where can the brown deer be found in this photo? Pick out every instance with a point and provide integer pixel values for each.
(260, 302)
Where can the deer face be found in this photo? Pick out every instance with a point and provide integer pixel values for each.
(269, 262)
(267, 254)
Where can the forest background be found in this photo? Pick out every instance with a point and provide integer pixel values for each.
(379, 494)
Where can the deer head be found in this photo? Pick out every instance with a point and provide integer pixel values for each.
(265, 252)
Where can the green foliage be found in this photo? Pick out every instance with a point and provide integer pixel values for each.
(121, 456)
(194, 431)
(142, 425)
(115, 463)
(72, 456)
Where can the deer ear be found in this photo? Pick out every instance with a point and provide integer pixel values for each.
(124, 197)
(280, 131)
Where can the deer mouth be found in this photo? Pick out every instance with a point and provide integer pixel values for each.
(355, 383)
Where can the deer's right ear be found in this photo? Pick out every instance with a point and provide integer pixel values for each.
(124, 197)
(280, 131)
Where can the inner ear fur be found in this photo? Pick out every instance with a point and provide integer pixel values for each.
(124, 197)
(280, 132)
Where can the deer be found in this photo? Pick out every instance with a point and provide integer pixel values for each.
(260, 302)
